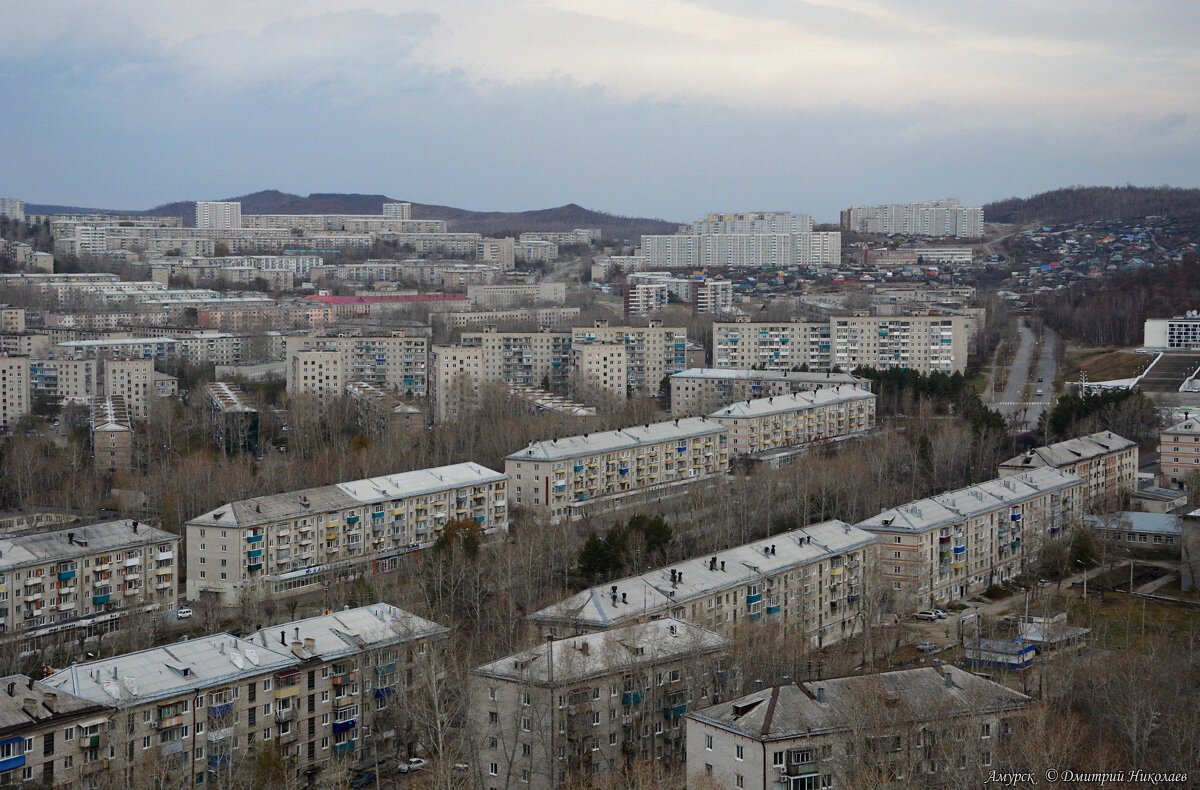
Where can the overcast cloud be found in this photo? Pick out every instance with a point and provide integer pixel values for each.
(657, 107)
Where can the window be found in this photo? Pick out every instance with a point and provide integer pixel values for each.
(493, 769)
(525, 724)
(708, 742)
(739, 780)
(740, 753)
(986, 730)
(492, 692)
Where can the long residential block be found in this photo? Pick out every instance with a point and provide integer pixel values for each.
(698, 391)
(777, 424)
(87, 577)
(288, 544)
(1108, 464)
(956, 544)
(571, 477)
(811, 581)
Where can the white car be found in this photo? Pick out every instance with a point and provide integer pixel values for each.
(413, 764)
(940, 614)
(183, 614)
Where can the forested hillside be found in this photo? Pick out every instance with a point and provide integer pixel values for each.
(1090, 204)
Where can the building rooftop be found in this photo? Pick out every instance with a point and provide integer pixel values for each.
(47, 703)
(163, 672)
(388, 400)
(954, 506)
(110, 414)
(294, 504)
(1070, 451)
(620, 649)
(67, 544)
(780, 404)
(1189, 426)
(638, 596)
(350, 630)
(1133, 521)
(768, 375)
(1009, 647)
(837, 704)
(623, 439)
(228, 397)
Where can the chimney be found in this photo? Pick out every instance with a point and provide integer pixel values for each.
(722, 566)
(584, 647)
(949, 680)
(820, 693)
(673, 578)
(297, 633)
(787, 680)
(712, 564)
(11, 686)
(29, 705)
(680, 577)
(310, 644)
(772, 549)
(624, 597)
(71, 538)
(298, 649)
(758, 685)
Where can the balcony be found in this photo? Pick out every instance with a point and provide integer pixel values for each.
(172, 747)
(343, 748)
(254, 538)
(100, 599)
(632, 698)
(219, 711)
(287, 714)
(674, 711)
(131, 562)
(344, 726)
(344, 678)
(219, 735)
(66, 575)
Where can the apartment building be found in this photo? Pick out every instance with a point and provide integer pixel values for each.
(571, 477)
(453, 245)
(399, 361)
(576, 236)
(214, 214)
(102, 321)
(506, 295)
(382, 413)
(86, 577)
(24, 344)
(297, 542)
(233, 417)
(47, 736)
(12, 319)
(925, 343)
(599, 372)
(646, 295)
(1107, 463)
(112, 435)
(932, 218)
(926, 727)
(225, 274)
(13, 209)
(810, 582)
(773, 239)
(653, 352)
(771, 428)
(15, 397)
(556, 714)
(535, 251)
(357, 674)
(397, 210)
(1181, 332)
(697, 391)
(528, 359)
(1179, 451)
(550, 317)
(937, 550)
(132, 380)
(242, 317)
(501, 252)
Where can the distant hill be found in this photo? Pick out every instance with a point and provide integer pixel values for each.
(272, 201)
(1091, 204)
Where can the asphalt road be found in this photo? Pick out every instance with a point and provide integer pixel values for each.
(1012, 402)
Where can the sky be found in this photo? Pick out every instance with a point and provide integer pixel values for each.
(662, 108)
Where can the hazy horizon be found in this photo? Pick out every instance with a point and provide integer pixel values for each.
(660, 108)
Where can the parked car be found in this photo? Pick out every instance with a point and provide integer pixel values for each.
(413, 764)
(183, 614)
(927, 647)
(461, 767)
(926, 614)
(363, 780)
(940, 614)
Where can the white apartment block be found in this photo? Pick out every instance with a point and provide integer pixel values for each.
(12, 208)
(297, 542)
(571, 477)
(501, 252)
(12, 319)
(600, 372)
(699, 391)
(397, 210)
(15, 397)
(133, 380)
(775, 240)
(1179, 451)
(535, 251)
(558, 714)
(85, 577)
(576, 236)
(819, 249)
(399, 362)
(925, 343)
(508, 295)
(927, 727)
(776, 424)
(956, 544)
(1107, 463)
(653, 352)
(646, 296)
(933, 218)
(808, 582)
(527, 359)
(550, 317)
(213, 214)
(753, 222)
(458, 245)
(221, 348)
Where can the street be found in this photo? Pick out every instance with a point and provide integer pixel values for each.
(1012, 403)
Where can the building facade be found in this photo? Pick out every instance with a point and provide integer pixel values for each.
(697, 391)
(1179, 451)
(932, 218)
(1108, 464)
(293, 543)
(774, 425)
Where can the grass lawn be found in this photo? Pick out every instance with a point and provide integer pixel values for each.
(1105, 364)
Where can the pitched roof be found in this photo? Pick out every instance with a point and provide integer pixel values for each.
(623, 439)
(797, 401)
(66, 544)
(348, 631)
(1070, 451)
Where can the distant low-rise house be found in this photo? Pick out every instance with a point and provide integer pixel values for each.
(1152, 499)
(1010, 654)
(854, 732)
(1146, 531)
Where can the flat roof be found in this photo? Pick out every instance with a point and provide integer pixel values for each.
(741, 374)
(1133, 521)
(653, 591)
(622, 439)
(55, 546)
